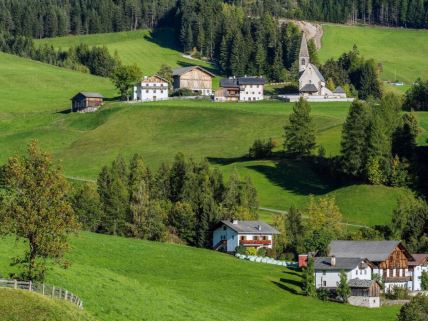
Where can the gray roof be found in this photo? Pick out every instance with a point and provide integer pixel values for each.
(342, 263)
(375, 251)
(183, 70)
(251, 227)
(88, 95)
(320, 76)
(304, 52)
(236, 82)
(339, 90)
(309, 88)
(357, 283)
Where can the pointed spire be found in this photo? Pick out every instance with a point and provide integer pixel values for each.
(304, 52)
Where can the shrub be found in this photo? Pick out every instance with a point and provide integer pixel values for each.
(241, 249)
(261, 149)
(323, 294)
(185, 92)
(415, 310)
(417, 96)
(397, 293)
(270, 253)
(251, 251)
(424, 281)
(261, 251)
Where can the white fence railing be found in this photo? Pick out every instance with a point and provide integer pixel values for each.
(45, 289)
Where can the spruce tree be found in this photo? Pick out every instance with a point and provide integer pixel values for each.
(354, 139)
(300, 131)
(309, 278)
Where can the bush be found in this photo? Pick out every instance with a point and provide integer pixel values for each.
(251, 251)
(397, 293)
(415, 310)
(270, 253)
(261, 251)
(417, 96)
(241, 249)
(261, 149)
(185, 92)
(323, 294)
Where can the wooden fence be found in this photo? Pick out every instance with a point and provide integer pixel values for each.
(48, 290)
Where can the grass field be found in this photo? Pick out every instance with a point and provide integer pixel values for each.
(29, 86)
(146, 49)
(402, 52)
(25, 306)
(126, 279)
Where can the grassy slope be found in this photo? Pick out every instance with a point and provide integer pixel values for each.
(25, 306)
(29, 86)
(402, 52)
(123, 279)
(146, 49)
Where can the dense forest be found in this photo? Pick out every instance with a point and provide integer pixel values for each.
(50, 18)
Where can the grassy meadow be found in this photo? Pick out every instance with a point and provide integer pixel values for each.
(149, 50)
(402, 52)
(127, 279)
(25, 306)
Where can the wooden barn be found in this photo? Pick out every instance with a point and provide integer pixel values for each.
(85, 102)
(194, 78)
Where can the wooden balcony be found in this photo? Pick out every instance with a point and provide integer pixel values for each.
(255, 242)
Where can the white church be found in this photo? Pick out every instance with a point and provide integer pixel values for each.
(312, 85)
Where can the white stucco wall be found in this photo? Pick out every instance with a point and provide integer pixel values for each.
(226, 233)
(147, 91)
(332, 277)
(417, 276)
(361, 301)
(251, 92)
(309, 76)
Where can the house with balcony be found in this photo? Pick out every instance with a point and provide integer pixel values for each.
(240, 89)
(151, 88)
(229, 234)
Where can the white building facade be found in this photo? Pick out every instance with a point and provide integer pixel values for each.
(241, 89)
(151, 88)
(230, 234)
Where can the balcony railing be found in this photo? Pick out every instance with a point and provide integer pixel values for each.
(255, 242)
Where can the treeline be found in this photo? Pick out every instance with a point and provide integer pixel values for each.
(51, 18)
(180, 202)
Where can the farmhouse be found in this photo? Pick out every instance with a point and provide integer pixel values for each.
(240, 89)
(195, 78)
(151, 89)
(417, 266)
(364, 291)
(86, 102)
(230, 234)
(390, 259)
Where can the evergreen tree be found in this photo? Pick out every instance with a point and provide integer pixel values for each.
(343, 289)
(87, 206)
(300, 132)
(309, 278)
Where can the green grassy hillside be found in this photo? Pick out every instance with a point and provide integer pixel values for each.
(30, 86)
(146, 49)
(126, 280)
(25, 306)
(402, 52)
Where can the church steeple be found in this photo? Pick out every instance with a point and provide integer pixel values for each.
(303, 54)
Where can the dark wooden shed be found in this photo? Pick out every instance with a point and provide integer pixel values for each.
(86, 102)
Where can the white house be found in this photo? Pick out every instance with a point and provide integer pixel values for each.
(364, 290)
(240, 89)
(151, 89)
(417, 266)
(230, 234)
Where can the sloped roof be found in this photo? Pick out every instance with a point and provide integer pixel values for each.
(88, 95)
(375, 251)
(251, 227)
(183, 70)
(342, 263)
(317, 72)
(150, 79)
(304, 52)
(357, 283)
(339, 90)
(309, 88)
(236, 82)
(419, 259)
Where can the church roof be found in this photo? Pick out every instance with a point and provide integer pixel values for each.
(309, 88)
(320, 76)
(304, 52)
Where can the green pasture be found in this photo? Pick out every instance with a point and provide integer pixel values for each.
(149, 50)
(122, 279)
(402, 52)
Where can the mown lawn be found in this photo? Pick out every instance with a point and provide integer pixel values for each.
(124, 279)
(402, 52)
(17, 305)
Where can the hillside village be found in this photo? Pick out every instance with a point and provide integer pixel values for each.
(211, 154)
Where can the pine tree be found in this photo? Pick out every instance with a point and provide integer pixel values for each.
(300, 132)
(354, 139)
(309, 278)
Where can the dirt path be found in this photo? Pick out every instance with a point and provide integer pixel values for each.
(312, 30)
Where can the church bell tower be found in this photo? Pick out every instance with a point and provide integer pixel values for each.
(303, 54)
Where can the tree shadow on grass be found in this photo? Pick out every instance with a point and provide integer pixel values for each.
(289, 286)
(292, 273)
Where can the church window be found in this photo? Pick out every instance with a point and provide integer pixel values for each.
(303, 61)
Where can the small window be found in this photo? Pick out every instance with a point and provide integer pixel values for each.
(324, 283)
(233, 237)
(324, 273)
(255, 238)
(224, 227)
(303, 61)
(242, 238)
(147, 91)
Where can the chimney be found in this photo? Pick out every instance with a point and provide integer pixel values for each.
(259, 227)
(333, 261)
(235, 222)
